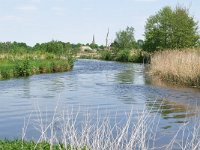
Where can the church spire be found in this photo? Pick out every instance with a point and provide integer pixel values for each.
(93, 40)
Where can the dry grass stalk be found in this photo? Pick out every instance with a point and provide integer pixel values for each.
(180, 66)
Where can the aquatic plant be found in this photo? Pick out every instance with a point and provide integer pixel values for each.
(177, 66)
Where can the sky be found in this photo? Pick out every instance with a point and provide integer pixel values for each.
(76, 21)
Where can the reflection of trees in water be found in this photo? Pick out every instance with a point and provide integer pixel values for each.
(126, 76)
(57, 85)
(134, 73)
(128, 83)
(26, 88)
(170, 110)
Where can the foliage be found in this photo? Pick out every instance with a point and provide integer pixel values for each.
(171, 29)
(14, 47)
(93, 46)
(123, 56)
(106, 55)
(58, 47)
(140, 44)
(26, 64)
(22, 68)
(30, 145)
(125, 39)
(124, 48)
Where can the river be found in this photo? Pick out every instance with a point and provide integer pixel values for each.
(93, 85)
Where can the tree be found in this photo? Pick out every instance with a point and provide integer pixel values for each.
(93, 46)
(125, 39)
(140, 44)
(55, 47)
(171, 29)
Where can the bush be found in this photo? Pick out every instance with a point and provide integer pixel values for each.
(106, 55)
(22, 68)
(123, 56)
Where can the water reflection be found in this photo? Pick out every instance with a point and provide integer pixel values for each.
(126, 76)
(26, 89)
(178, 112)
(132, 74)
(93, 85)
(160, 83)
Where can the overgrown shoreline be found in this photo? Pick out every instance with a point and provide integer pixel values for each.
(26, 64)
(133, 56)
(20, 60)
(180, 67)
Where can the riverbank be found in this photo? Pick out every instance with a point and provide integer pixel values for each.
(34, 62)
(25, 145)
(177, 67)
(134, 55)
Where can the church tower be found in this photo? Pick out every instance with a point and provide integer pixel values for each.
(93, 40)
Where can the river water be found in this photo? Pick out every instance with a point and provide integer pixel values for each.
(92, 85)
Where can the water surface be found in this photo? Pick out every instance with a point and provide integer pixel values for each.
(92, 85)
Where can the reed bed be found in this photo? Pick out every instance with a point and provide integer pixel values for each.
(177, 66)
(94, 132)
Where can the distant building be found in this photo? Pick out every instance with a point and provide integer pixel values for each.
(85, 48)
(93, 40)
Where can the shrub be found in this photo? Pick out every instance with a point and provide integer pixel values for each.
(106, 55)
(123, 56)
(22, 68)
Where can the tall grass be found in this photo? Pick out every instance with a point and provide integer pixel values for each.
(177, 66)
(29, 63)
(99, 132)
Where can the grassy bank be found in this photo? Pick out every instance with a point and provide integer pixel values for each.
(177, 66)
(134, 56)
(31, 145)
(22, 145)
(35, 62)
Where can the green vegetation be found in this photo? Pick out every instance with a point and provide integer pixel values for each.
(171, 29)
(125, 39)
(30, 145)
(125, 48)
(172, 38)
(168, 29)
(20, 60)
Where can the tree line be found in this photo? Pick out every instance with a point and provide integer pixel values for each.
(167, 29)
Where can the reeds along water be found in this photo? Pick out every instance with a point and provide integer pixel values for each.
(97, 132)
(177, 66)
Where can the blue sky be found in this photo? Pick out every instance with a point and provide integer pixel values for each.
(33, 21)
